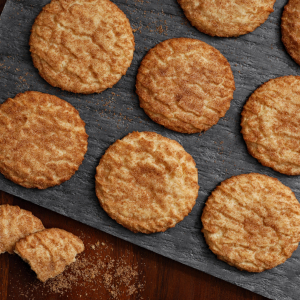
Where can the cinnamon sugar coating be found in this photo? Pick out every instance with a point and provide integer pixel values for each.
(226, 18)
(271, 124)
(82, 46)
(147, 182)
(48, 252)
(15, 224)
(290, 29)
(252, 222)
(185, 85)
(42, 140)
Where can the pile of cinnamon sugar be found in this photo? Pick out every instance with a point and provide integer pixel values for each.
(94, 275)
(92, 269)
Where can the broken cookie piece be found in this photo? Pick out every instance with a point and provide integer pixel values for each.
(15, 224)
(49, 252)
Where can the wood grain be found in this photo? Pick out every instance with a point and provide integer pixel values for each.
(163, 278)
(4, 258)
(2, 2)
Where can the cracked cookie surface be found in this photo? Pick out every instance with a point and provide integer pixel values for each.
(185, 85)
(48, 252)
(252, 222)
(15, 224)
(42, 140)
(290, 29)
(147, 182)
(82, 46)
(227, 18)
(270, 124)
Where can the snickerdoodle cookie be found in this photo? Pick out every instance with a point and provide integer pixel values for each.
(147, 182)
(290, 29)
(48, 252)
(15, 224)
(42, 140)
(227, 18)
(252, 222)
(82, 46)
(185, 85)
(271, 124)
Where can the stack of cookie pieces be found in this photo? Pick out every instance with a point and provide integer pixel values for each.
(146, 182)
(48, 251)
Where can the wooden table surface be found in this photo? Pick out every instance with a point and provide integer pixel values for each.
(110, 268)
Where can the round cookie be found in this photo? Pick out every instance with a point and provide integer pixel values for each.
(15, 224)
(82, 46)
(42, 140)
(252, 222)
(185, 85)
(147, 182)
(271, 124)
(290, 28)
(226, 18)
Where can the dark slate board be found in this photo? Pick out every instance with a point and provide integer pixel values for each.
(219, 153)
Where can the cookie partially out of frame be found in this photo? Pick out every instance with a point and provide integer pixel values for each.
(49, 252)
(185, 85)
(226, 18)
(271, 124)
(15, 224)
(252, 222)
(42, 140)
(290, 29)
(82, 46)
(147, 182)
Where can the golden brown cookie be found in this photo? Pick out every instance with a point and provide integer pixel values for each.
(271, 124)
(185, 85)
(252, 222)
(48, 252)
(147, 182)
(290, 29)
(82, 46)
(42, 140)
(15, 224)
(226, 17)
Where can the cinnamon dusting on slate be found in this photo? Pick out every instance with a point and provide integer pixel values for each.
(157, 24)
